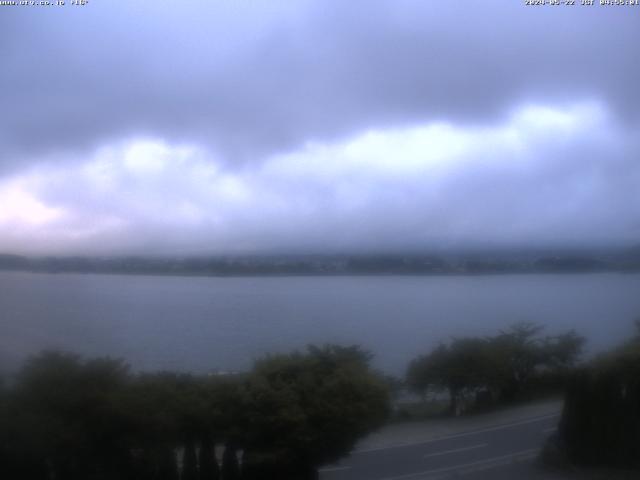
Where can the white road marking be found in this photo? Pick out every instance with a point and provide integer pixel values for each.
(471, 466)
(458, 435)
(549, 430)
(455, 450)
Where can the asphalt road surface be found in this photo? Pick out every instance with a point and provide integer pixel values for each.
(495, 452)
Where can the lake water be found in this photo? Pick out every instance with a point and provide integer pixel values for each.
(204, 323)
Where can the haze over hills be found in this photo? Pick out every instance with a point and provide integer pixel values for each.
(461, 262)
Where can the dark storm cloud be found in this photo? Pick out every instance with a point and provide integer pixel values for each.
(254, 78)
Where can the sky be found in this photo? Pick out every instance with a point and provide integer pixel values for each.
(250, 126)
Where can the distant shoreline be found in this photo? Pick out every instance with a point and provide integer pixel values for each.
(324, 275)
(627, 261)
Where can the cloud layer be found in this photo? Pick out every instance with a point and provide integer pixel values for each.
(429, 185)
(255, 126)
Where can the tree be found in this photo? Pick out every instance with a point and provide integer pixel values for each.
(209, 469)
(483, 370)
(168, 412)
(463, 368)
(66, 415)
(427, 371)
(230, 466)
(519, 351)
(636, 324)
(600, 423)
(562, 352)
(190, 461)
(307, 409)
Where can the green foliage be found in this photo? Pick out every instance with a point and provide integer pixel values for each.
(70, 418)
(66, 411)
(562, 351)
(484, 370)
(163, 405)
(208, 465)
(464, 367)
(190, 461)
(519, 351)
(310, 408)
(230, 465)
(601, 420)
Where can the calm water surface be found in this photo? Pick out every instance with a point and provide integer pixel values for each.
(201, 324)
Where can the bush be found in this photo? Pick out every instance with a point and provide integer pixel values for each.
(600, 424)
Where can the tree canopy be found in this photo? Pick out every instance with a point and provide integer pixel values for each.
(600, 423)
(310, 408)
(70, 418)
(496, 368)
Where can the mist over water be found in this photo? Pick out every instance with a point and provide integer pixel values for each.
(202, 324)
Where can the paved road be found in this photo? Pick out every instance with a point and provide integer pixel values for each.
(504, 451)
